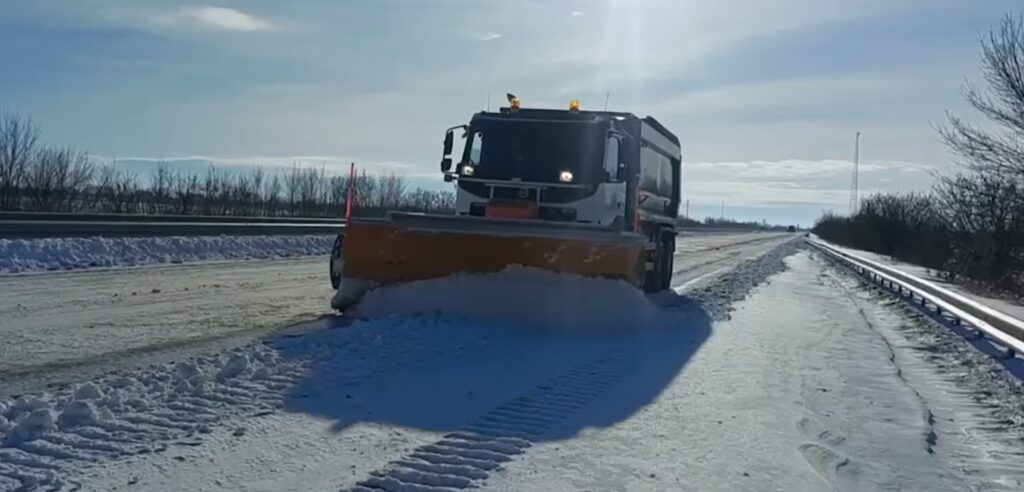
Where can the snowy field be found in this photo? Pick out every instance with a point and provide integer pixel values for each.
(780, 373)
(33, 255)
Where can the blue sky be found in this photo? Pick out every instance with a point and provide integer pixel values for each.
(765, 95)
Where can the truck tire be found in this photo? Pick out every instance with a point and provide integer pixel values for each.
(668, 258)
(333, 264)
(663, 256)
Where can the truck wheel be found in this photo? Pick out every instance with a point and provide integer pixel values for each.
(651, 277)
(668, 259)
(660, 277)
(336, 262)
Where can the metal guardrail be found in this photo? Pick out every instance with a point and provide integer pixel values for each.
(53, 229)
(988, 322)
(28, 225)
(91, 217)
(24, 229)
(34, 225)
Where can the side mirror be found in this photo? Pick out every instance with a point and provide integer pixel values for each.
(449, 140)
(611, 156)
(446, 163)
(626, 149)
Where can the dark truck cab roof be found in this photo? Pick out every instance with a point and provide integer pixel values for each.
(580, 115)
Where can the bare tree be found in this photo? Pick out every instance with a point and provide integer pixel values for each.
(125, 192)
(256, 193)
(41, 180)
(103, 191)
(310, 185)
(18, 139)
(364, 190)
(186, 191)
(1002, 55)
(160, 183)
(80, 178)
(337, 192)
(56, 178)
(430, 201)
(292, 184)
(984, 203)
(223, 201)
(390, 190)
(210, 189)
(272, 195)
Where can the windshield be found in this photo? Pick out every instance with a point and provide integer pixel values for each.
(536, 151)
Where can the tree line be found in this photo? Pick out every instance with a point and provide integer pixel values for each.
(725, 223)
(971, 224)
(41, 178)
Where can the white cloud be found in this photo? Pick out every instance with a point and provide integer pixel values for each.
(800, 168)
(576, 13)
(218, 18)
(487, 36)
(795, 181)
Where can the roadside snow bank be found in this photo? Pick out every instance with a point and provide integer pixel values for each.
(44, 438)
(520, 295)
(26, 255)
(719, 295)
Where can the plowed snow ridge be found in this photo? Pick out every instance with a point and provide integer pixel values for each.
(28, 255)
(521, 295)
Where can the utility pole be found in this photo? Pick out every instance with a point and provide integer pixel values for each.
(607, 96)
(722, 215)
(854, 180)
(687, 208)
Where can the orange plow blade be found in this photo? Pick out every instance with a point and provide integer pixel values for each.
(408, 247)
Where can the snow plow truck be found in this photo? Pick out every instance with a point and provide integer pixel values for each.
(592, 193)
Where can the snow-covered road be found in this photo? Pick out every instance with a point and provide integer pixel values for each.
(805, 381)
(813, 384)
(65, 326)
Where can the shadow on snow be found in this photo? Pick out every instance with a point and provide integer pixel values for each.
(439, 374)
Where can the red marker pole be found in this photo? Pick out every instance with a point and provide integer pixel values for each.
(351, 185)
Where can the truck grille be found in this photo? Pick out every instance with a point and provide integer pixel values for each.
(525, 194)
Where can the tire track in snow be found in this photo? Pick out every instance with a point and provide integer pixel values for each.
(465, 458)
(973, 402)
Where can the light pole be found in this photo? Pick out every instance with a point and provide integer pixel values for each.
(854, 180)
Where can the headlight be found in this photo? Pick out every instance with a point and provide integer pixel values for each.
(468, 170)
(565, 177)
